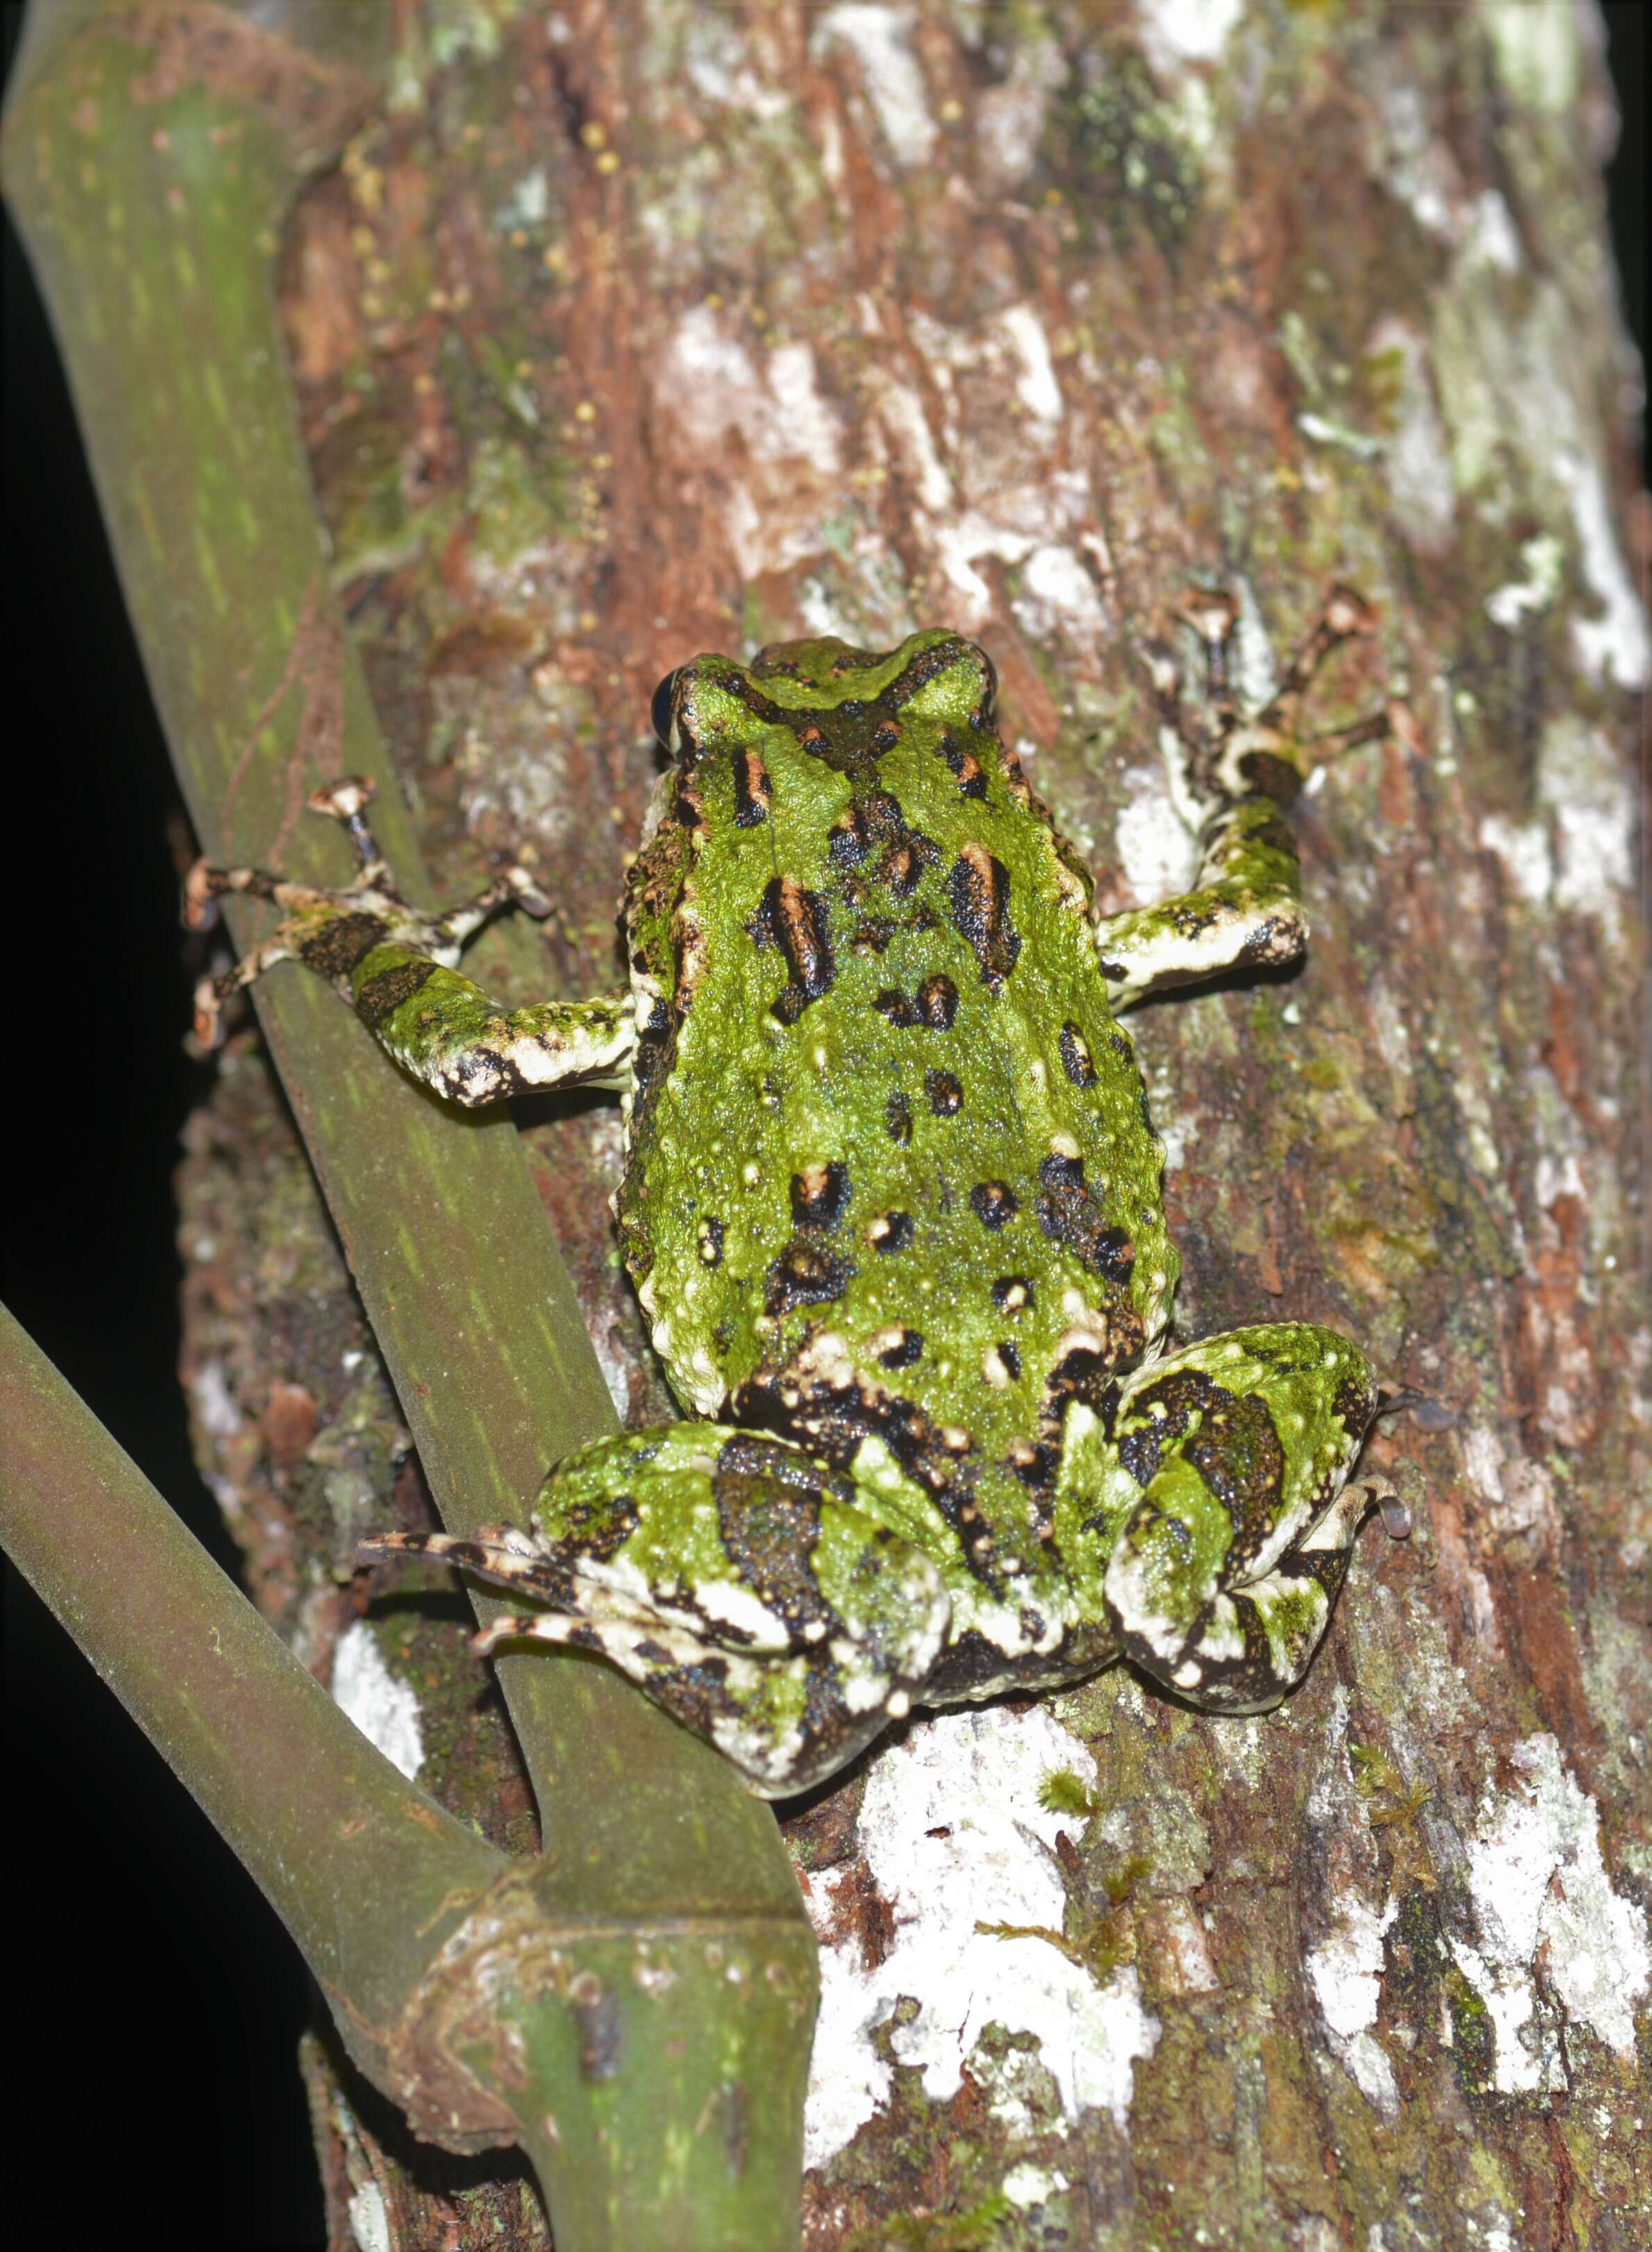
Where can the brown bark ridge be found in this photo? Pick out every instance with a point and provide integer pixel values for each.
(628, 330)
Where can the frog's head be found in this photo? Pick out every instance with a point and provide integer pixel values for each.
(831, 696)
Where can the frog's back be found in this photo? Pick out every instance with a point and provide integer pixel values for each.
(884, 1113)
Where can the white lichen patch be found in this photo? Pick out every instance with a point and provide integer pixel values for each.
(1545, 1910)
(1587, 791)
(1155, 848)
(1522, 846)
(214, 1405)
(370, 2218)
(1346, 1971)
(1543, 560)
(1057, 594)
(1175, 32)
(954, 1837)
(385, 1710)
(1419, 462)
(1536, 44)
(880, 39)
(1615, 645)
(1036, 389)
(766, 407)
(1027, 2186)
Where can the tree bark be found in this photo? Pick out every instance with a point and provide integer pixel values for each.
(628, 331)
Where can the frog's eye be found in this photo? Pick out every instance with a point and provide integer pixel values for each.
(660, 709)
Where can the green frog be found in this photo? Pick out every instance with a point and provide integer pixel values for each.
(892, 1206)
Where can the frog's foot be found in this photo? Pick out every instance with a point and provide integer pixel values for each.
(1221, 1577)
(732, 1578)
(396, 966)
(1229, 776)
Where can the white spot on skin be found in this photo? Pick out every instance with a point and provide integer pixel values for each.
(1542, 1900)
(736, 1606)
(879, 38)
(1347, 1975)
(385, 1709)
(976, 1775)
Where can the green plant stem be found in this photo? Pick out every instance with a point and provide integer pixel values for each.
(645, 2065)
(149, 154)
(366, 1871)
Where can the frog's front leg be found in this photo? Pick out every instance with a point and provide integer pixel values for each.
(1231, 1518)
(744, 1586)
(1229, 778)
(398, 969)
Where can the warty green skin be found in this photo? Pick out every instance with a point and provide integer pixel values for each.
(892, 1205)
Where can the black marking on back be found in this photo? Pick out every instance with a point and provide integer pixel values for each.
(805, 1274)
(1070, 1215)
(944, 1093)
(334, 947)
(820, 1194)
(799, 923)
(1178, 1396)
(752, 793)
(1236, 1452)
(977, 886)
(993, 1203)
(972, 781)
(907, 1348)
(1075, 1059)
(381, 996)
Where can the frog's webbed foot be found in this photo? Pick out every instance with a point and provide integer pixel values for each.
(1221, 1578)
(397, 968)
(732, 1578)
(1230, 776)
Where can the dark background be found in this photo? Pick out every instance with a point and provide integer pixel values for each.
(156, 2002)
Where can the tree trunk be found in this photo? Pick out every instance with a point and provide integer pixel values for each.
(629, 330)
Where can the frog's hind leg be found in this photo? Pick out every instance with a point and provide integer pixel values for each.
(732, 1578)
(398, 969)
(1222, 1573)
(1229, 777)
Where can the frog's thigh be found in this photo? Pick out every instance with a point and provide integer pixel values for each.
(443, 1029)
(1222, 1578)
(1246, 907)
(736, 1582)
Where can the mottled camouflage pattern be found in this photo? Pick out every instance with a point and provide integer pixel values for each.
(892, 1206)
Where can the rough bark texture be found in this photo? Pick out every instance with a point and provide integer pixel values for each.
(635, 330)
